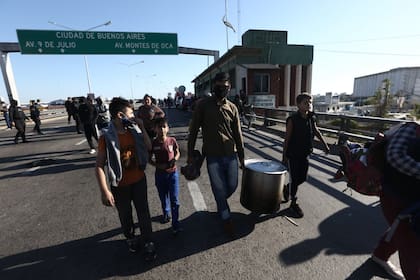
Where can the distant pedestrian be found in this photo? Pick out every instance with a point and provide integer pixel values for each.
(148, 112)
(69, 110)
(87, 115)
(223, 145)
(102, 120)
(18, 118)
(5, 110)
(166, 152)
(123, 148)
(74, 109)
(238, 103)
(298, 145)
(35, 115)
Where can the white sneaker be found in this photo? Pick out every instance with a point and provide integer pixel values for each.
(92, 151)
(389, 268)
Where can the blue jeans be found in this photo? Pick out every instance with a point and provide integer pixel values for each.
(168, 188)
(223, 174)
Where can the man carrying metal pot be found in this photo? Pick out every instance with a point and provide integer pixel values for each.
(222, 144)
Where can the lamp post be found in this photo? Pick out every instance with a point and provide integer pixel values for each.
(131, 79)
(84, 56)
(227, 25)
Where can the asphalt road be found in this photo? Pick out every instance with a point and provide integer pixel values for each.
(53, 225)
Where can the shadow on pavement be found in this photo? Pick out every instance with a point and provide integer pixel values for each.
(347, 232)
(367, 271)
(98, 257)
(50, 163)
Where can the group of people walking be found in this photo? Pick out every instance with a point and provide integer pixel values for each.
(88, 115)
(133, 140)
(128, 140)
(16, 117)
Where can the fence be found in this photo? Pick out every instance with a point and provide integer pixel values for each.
(45, 113)
(357, 128)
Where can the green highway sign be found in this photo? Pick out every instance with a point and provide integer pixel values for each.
(92, 42)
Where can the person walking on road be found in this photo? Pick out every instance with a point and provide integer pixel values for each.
(400, 202)
(68, 107)
(123, 148)
(102, 120)
(165, 150)
(35, 114)
(74, 110)
(298, 145)
(223, 144)
(148, 112)
(5, 111)
(87, 115)
(17, 119)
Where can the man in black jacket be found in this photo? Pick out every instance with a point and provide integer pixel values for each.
(35, 115)
(17, 119)
(88, 115)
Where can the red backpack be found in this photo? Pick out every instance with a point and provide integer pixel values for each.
(363, 166)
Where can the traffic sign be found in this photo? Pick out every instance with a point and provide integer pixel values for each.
(92, 42)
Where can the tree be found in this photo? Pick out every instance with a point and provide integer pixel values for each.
(382, 99)
(417, 111)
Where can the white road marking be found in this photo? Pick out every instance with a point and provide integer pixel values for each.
(81, 142)
(31, 169)
(197, 196)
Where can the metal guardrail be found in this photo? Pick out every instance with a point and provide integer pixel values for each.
(45, 114)
(367, 127)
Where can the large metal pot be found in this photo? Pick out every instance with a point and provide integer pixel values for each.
(262, 185)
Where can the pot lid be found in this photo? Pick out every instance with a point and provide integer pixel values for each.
(265, 166)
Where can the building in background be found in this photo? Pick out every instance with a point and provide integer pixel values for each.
(333, 103)
(269, 70)
(405, 85)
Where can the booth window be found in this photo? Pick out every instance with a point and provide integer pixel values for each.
(261, 83)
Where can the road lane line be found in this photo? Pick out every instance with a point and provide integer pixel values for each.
(31, 169)
(197, 196)
(81, 142)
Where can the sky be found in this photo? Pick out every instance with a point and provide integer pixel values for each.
(350, 39)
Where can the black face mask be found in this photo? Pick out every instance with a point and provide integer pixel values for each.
(126, 122)
(221, 91)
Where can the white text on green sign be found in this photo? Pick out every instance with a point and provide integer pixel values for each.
(89, 42)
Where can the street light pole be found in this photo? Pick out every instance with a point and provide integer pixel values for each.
(84, 56)
(87, 73)
(131, 78)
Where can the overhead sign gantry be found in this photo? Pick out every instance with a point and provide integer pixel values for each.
(95, 42)
(89, 42)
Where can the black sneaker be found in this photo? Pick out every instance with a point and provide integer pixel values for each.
(133, 245)
(176, 230)
(166, 218)
(296, 208)
(149, 252)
